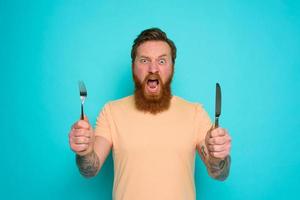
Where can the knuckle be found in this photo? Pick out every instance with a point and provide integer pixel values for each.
(222, 132)
(215, 140)
(70, 140)
(76, 131)
(80, 132)
(74, 140)
(216, 147)
(81, 124)
(84, 124)
(223, 140)
(76, 124)
(221, 148)
(81, 140)
(84, 140)
(212, 140)
(84, 146)
(73, 147)
(81, 148)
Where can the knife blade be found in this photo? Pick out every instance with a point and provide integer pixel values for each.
(218, 104)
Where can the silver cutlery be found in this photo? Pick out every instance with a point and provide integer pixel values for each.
(83, 95)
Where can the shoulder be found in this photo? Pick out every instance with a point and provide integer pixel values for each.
(181, 102)
(188, 106)
(120, 104)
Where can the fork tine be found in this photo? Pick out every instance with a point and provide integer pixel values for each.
(82, 89)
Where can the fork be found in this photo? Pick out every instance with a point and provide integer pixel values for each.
(83, 95)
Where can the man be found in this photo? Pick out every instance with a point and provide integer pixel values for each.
(153, 134)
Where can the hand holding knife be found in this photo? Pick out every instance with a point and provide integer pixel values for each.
(218, 141)
(215, 151)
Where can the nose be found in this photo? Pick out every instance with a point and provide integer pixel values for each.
(153, 68)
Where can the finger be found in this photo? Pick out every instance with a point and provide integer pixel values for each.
(217, 140)
(218, 132)
(221, 139)
(224, 149)
(221, 155)
(79, 147)
(81, 124)
(216, 148)
(82, 132)
(81, 140)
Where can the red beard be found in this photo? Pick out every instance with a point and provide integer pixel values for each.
(153, 103)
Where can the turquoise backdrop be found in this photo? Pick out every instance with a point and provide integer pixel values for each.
(251, 47)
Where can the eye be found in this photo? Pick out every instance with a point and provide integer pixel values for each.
(162, 61)
(143, 60)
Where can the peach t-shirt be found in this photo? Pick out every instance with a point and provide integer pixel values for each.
(154, 155)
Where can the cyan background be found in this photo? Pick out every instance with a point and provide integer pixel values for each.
(250, 47)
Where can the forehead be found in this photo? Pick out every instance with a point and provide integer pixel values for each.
(153, 49)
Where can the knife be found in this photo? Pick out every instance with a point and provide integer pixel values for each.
(218, 104)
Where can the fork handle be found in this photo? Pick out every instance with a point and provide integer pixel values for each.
(82, 115)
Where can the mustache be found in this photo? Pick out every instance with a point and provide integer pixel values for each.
(152, 76)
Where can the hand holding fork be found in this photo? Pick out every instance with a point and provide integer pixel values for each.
(81, 136)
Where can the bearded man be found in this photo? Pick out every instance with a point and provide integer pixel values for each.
(153, 134)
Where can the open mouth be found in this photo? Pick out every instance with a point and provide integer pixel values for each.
(153, 85)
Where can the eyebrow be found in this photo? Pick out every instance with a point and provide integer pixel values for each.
(163, 55)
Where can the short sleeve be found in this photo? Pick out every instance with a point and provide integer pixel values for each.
(103, 123)
(202, 122)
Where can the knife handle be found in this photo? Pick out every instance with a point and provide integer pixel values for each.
(216, 122)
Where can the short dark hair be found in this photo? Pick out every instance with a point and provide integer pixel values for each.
(152, 34)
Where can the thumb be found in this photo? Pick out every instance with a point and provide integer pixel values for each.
(208, 134)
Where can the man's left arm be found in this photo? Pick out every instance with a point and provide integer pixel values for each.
(215, 153)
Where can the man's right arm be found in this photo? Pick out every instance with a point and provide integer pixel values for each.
(91, 151)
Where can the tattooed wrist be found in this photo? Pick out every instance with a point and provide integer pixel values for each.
(220, 170)
(88, 165)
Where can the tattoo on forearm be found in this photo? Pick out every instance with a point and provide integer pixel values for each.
(88, 165)
(221, 170)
